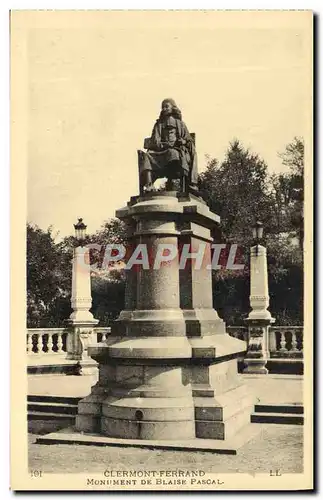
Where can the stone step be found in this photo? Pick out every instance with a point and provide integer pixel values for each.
(34, 398)
(202, 391)
(44, 407)
(60, 407)
(70, 436)
(53, 368)
(266, 418)
(35, 415)
(277, 418)
(281, 408)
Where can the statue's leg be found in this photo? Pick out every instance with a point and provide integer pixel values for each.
(173, 171)
(169, 185)
(145, 172)
(148, 183)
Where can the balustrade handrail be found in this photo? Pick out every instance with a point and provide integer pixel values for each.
(63, 329)
(108, 328)
(50, 330)
(297, 327)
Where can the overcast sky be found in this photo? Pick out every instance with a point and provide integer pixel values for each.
(96, 81)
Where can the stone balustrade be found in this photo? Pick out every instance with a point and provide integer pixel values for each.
(102, 333)
(52, 341)
(284, 341)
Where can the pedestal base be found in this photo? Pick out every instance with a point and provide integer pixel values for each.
(142, 394)
(229, 447)
(258, 346)
(255, 366)
(168, 370)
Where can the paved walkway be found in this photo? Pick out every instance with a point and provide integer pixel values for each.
(268, 389)
(276, 447)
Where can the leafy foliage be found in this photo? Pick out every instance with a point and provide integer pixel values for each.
(237, 190)
(241, 191)
(48, 279)
(288, 190)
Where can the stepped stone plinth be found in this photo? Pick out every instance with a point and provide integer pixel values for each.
(169, 369)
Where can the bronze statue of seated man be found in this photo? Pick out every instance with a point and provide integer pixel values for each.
(170, 152)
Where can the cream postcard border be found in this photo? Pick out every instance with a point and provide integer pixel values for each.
(21, 22)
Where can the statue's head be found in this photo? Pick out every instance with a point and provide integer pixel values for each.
(169, 108)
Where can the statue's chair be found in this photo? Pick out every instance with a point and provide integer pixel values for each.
(173, 173)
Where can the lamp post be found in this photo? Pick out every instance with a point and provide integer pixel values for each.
(80, 231)
(259, 318)
(81, 321)
(257, 233)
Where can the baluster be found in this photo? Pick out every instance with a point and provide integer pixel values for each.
(294, 341)
(40, 343)
(104, 336)
(301, 341)
(64, 339)
(272, 340)
(282, 342)
(59, 342)
(29, 343)
(50, 343)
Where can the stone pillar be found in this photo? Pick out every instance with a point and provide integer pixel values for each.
(168, 371)
(259, 319)
(196, 280)
(81, 320)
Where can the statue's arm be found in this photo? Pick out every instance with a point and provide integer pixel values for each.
(187, 135)
(155, 139)
(185, 138)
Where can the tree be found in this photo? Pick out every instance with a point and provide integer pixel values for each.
(237, 190)
(107, 297)
(240, 190)
(108, 285)
(285, 270)
(293, 156)
(112, 231)
(48, 279)
(288, 190)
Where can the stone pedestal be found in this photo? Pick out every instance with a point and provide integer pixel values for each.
(259, 319)
(81, 321)
(169, 369)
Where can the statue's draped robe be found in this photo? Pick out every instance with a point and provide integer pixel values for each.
(165, 156)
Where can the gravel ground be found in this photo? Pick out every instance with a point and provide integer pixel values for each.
(275, 447)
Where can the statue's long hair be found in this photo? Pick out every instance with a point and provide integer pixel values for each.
(176, 112)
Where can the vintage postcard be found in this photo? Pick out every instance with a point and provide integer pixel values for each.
(162, 250)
